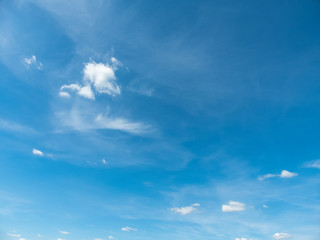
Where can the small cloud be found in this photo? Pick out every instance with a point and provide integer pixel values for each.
(64, 232)
(32, 61)
(104, 161)
(98, 77)
(39, 235)
(64, 94)
(233, 207)
(283, 174)
(14, 235)
(84, 91)
(103, 77)
(110, 237)
(265, 206)
(22, 239)
(116, 63)
(60, 239)
(281, 235)
(287, 174)
(37, 152)
(240, 239)
(128, 229)
(186, 210)
(313, 164)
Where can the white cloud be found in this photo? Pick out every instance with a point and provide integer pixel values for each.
(240, 239)
(104, 161)
(39, 235)
(283, 174)
(60, 239)
(32, 61)
(99, 77)
(265, 206)
(22, 239)
(37, 152)
(110, 237)
(233, 207)
(116, 63)
(287, 174)
(84, 120)
(102, 76)
(313, 164)
(186, 210)
(64, 232)
(128, 229)
(14, 235)
(64, 94)
(105, 122)
(281, 235)
(84, 91)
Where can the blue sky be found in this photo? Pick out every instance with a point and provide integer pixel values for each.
(142, 120)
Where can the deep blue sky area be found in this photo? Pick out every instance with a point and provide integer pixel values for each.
(159, 120)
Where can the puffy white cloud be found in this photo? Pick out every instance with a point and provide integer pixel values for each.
(110, 237)
(98, 77)
(103, 77)
(60, 239)
(14, 235)
(37, 152)
(281, 235)
(32, 61)
(283, 174)
(186, 210)
(233, 207)
(128, 229)
(22, 239)
(64, 232)
(313, 164)
(84, 91)
(240, 239)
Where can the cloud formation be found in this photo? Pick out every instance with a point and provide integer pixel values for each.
(98, 77)
(37, 152)
(283, 174)
(281, 236)
(233, 206)
(110, 237)
(186, 210)
(128, 229)
(32, 61)
(13, 235)
(64, 232)
(313, 164)
(240, 239)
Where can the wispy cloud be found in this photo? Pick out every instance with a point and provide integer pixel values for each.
(186, 210)
(128, 229)
(283, 174)
(110, 237)
(240, 239)
(281, 235)
(32, 61)
(233, 206)
(8, 125)
(312, 164)
(85, 121)
(64, 232)
(13, 235)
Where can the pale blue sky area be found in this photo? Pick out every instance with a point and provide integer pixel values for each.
(159, 120)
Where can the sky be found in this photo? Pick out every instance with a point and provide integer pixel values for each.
(159, 120)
